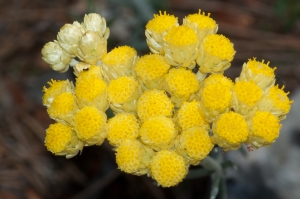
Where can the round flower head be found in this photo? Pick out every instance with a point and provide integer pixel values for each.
(54, 55)
(158, 133)
(56, 87)
(194, 144)
(156, 28)
(181, 84)
(61, 140)
(216, 53)
(89, 125)
(118, 62)
(189, 116)
(215, 96)
(121, 127)
(63, 107)
(123, 93)
(69, 37)
(259, 72)
(181, 46)
(132, 157)
(246, 95)
(201, 23)
(91, 47)
(91, 91)
(94, 22)
(90, 70)
(154, 103)
(263, 129)
(276, 101)
(230, 130)
(168, 168)
(150, 70)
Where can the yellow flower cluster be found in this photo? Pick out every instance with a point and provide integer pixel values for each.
(167, 114)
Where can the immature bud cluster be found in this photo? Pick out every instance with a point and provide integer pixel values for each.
(166, 115)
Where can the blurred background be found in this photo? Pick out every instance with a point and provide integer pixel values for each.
(267, 30)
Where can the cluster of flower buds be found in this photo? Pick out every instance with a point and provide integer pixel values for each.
(167, 115)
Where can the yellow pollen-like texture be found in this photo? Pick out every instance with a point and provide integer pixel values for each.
(89, 88)
(158, 132)
(218, 79)
(151, 67)
(182, 82)
(121, 89)
(129, 155)
(189, 116)
(93, 70)
(58, 136)
(181, 36)
(203, 21)
(247, 93)
(168, 168)
(257, 68)
(265, 127)
(161, 23)
(55, 87)
(121, 127)
(230, 130)
(218, 46)
(216, 97)
(154, 103)
(89, 122)
(63, 104)
(280, 98)
(118, 56)
(196, 142)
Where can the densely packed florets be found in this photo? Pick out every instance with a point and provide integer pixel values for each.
(167, 114)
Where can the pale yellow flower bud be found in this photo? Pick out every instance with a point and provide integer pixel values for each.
(181, 46)
(91, 47)
(94, 22)
(79, 67)
(69, 37)
(54, 55)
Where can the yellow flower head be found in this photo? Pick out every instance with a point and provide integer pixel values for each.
(91, 71)
(181, 46)
(245, 97)
(161, 23)
(194, 144)
(122, 89)
(91, 91)
(150, 69)
(181, 84)
(90, 124)
(259, 72)
(216, 54)
(215, 96)
(189, 116)
(201, 23)
(276, 101)
(56, 87)
(156, 28)
(58, 136)
(133, 157)
(118, 62)
(168, 168)
(230, 130)
(154, 103)
(264, 129)
(61, 140)
(121, 127)
(158, 132)
(63, 107)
